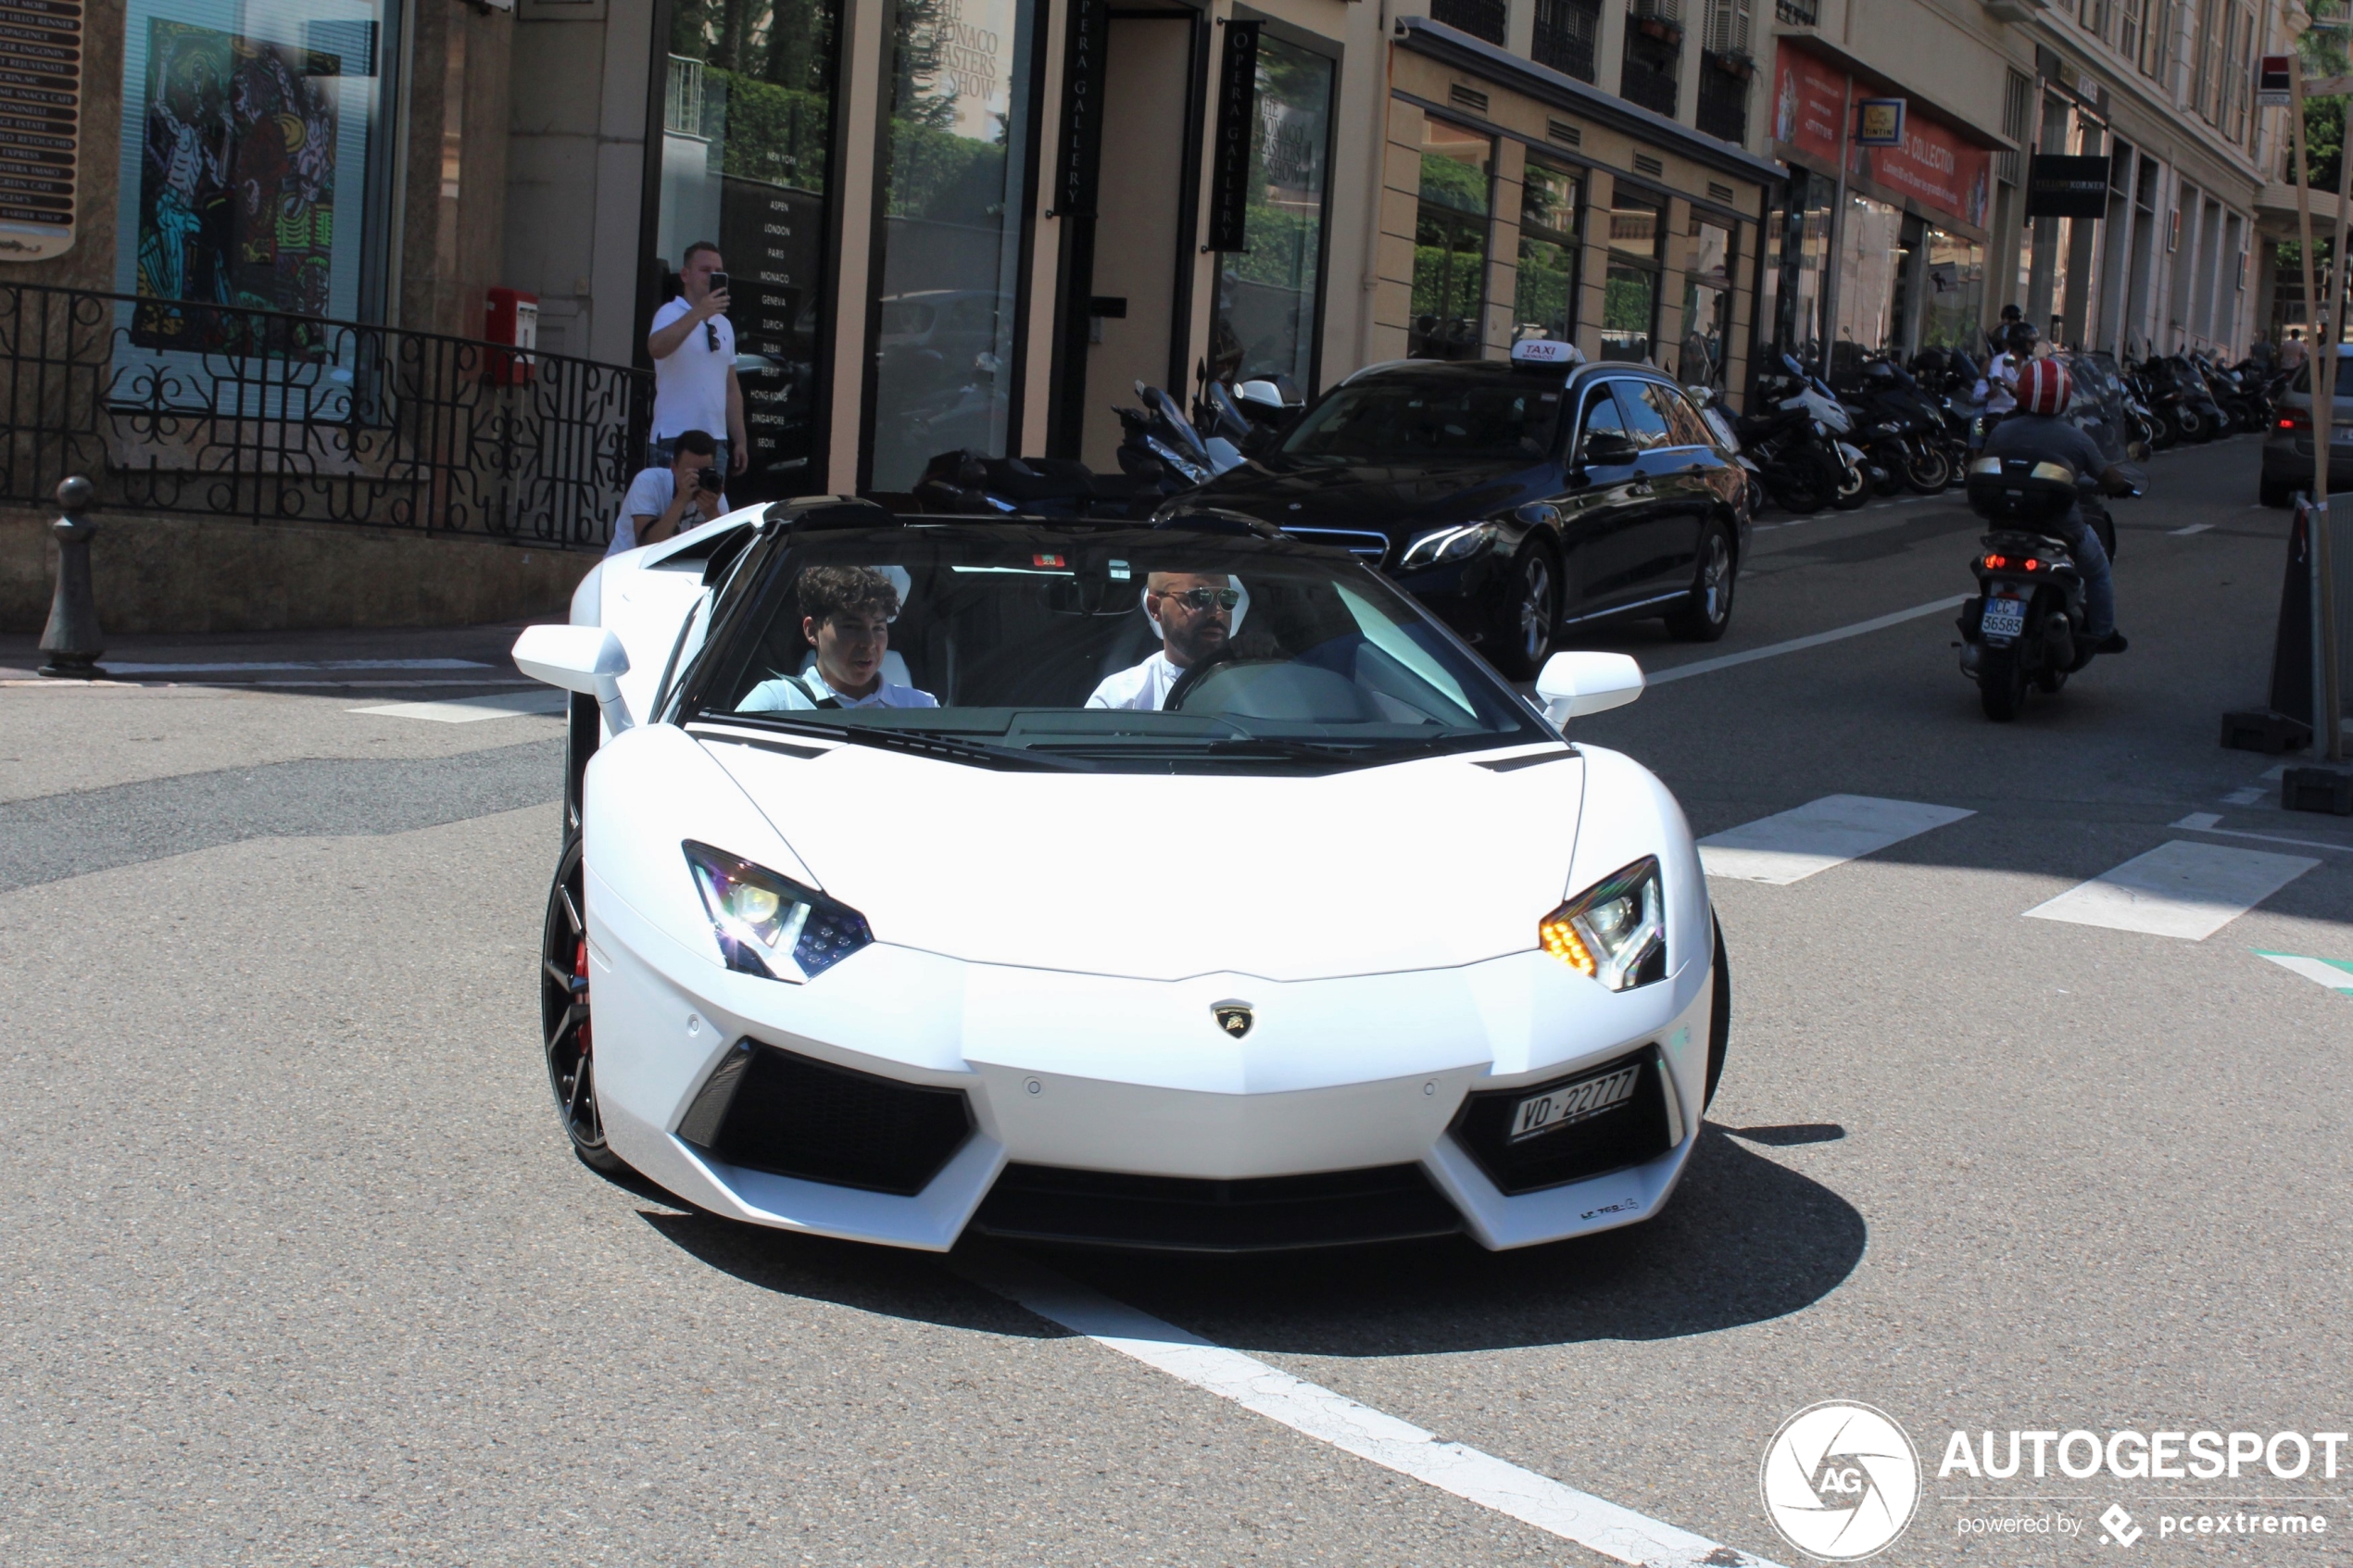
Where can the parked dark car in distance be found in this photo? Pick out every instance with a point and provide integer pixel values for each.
(1514, 499)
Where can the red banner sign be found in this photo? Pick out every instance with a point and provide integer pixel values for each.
(1931, 164)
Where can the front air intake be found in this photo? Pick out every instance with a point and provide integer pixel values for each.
(770, 1110)
(1619, 1131)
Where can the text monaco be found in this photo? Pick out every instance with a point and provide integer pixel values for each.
(2154, 1456)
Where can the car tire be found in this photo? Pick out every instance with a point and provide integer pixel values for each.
(1521, 633)
(584, 731)
(1706, 613)
(2001, 684)
(567, 1039)
(2277, 493)
(1719, 1016)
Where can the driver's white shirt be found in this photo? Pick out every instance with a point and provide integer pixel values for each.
(1143, 688)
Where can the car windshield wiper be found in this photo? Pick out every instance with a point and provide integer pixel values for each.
(921, 742)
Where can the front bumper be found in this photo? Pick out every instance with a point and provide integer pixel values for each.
(1124, 1097)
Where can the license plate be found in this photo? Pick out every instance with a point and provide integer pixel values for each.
(2004, 618)
(2341, 435)
(1556, 1109)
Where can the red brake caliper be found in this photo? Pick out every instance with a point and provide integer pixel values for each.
(580, 971)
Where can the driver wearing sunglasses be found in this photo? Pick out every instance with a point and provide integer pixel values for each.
(1193, 612)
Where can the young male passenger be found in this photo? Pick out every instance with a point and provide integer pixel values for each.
(846, 614)
(1193, 612)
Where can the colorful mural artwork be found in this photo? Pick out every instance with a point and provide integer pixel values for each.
(236, 192)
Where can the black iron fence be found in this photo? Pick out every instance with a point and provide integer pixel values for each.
(175, 406)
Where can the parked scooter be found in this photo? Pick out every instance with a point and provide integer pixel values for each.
(1161, 454)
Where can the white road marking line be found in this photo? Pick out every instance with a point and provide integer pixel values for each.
(2334, 973)
(470, 710)
(2194, 528)
(300, 664)
(2179, 889)
(2245, 796)
(1794, 844)
(1333, 1418)
(1771, 650)
(2205, 822)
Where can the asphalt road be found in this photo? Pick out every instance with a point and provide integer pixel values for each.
(299, 1270)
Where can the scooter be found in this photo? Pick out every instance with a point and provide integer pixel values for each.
(2025, 627)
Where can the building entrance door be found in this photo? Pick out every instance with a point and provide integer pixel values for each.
(1136, 294)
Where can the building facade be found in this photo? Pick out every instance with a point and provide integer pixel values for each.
(978, 223)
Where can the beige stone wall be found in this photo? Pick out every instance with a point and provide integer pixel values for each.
(207, 574)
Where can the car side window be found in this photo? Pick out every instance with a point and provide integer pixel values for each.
(1682, 420)
(1601, 415)
(1643, 421)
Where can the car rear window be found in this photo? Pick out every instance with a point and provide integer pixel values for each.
(1433, 420)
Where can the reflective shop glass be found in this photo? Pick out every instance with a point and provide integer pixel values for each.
(952, 193)
(747, 114)
(1870, 254)
(1629, 296)
(1796, 255)
(1449, 243)
(255, 172)
(1953, 298)
(1708, 302)
(1266, 322)
(1545, 287)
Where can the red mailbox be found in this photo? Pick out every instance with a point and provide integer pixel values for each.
(509, 316)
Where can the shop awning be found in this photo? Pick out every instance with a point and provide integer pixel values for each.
(1500, 66)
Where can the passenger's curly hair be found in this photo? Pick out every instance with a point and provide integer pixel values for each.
(828, 590)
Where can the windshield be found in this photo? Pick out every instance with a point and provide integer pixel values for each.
(1132, 649)
(1390, 420)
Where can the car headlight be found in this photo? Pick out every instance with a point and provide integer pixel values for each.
(1614, 931)
(1441, 545)
(769, 926)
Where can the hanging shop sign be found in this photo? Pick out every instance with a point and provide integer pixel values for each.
(1236, 118)
(1080, 166)
(2060, 186)
(40, 126)
(1879, 122)
(2273, 86)
(1935, 168)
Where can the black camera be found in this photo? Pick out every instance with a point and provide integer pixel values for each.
(707, 480)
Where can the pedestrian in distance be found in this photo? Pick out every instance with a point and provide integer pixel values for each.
(693, 348)
(2291, 352)
(669, 498)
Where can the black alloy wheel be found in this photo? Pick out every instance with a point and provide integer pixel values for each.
(1530, 611)
(2001, 684)
(1803, 482)
(564, 1016)
(1928, 469)
(1707, 611)
(2190, 424)
(1853, 485)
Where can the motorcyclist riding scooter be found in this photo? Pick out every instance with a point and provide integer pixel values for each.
(2037, 430)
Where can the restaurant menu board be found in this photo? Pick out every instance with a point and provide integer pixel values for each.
(40, 115)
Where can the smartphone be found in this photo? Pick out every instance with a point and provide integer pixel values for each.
(719, 283)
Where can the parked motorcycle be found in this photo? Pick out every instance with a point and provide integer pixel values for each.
(1161, 454)
(1790, 445)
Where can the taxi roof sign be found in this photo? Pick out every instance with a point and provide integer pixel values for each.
(1545, 351)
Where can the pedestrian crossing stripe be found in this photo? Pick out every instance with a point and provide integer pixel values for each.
(1794, 844)
(2334, 973)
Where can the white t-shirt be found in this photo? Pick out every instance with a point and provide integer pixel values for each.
(1142, 687)
(650, 495)
(690, 386)
(794, 694)
(1999, 389)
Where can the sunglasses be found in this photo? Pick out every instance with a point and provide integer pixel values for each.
(1205, 598)
(711, 335)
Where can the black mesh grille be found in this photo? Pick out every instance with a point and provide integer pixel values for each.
(1180, 1214)
(796, 1117)
(1625, 1135)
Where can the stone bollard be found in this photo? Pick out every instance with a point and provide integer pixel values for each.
(71, 639)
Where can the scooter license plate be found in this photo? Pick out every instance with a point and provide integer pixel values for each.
(2004, 618)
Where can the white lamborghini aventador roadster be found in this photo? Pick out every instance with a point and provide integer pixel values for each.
(1175, 887)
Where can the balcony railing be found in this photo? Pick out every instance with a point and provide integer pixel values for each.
(1723, 98)
(1566, 35)
(1654, 58)
(176, 407)
(1480, 18)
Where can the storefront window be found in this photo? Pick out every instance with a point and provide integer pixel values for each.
(1449, 243)
(1954, 301)
(1797, 255)
(1629, 299)
(254, 170)
(1708, 302)
(953, 194)
(746, 122)
(1870, 255)
(1545, 290)
(1267, 323)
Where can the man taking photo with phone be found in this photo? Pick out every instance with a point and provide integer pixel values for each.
(665, 500)
(694, 352)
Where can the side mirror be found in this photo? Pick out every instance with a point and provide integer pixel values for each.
(1607, 449)
(1573, 684)
(587, 659)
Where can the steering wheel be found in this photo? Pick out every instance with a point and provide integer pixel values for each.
(1222, 654)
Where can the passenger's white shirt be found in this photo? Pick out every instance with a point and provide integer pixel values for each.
(650, 495)
(691, 386)
(794, 694)
(1142, 687)
(1999, 389)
